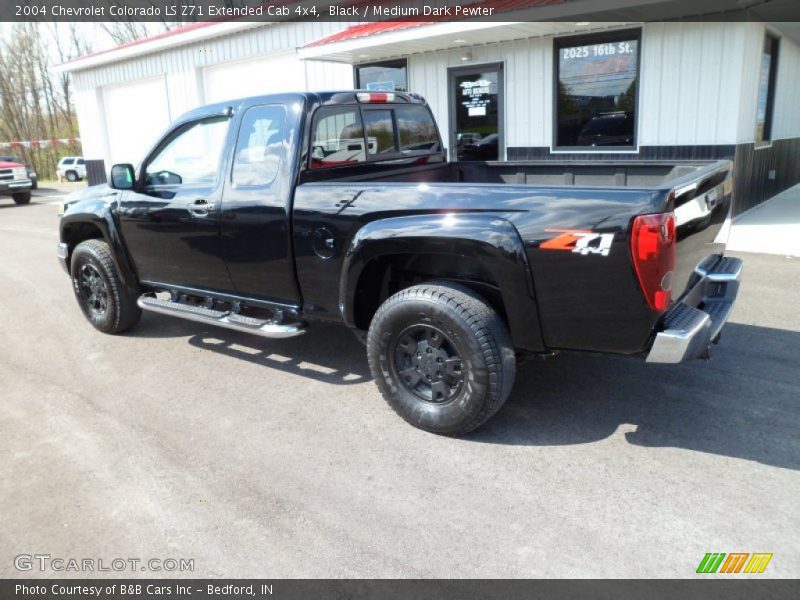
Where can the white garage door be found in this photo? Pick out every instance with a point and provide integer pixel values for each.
(265, 75)
(136, 114)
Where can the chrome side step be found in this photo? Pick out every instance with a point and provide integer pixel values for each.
(226, 319)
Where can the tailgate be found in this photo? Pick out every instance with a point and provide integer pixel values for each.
(702, 202)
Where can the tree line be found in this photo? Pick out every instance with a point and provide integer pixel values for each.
(37, 103)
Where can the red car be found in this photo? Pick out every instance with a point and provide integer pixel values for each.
(14, 182)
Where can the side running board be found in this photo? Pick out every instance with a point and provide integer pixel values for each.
(226, 319)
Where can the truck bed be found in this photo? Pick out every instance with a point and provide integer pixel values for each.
(639, 174)
(583, 304)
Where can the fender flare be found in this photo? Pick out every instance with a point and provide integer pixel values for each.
(484, 237)
(97, 212)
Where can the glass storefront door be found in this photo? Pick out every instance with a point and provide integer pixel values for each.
(476, 112)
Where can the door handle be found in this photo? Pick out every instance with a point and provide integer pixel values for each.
(201, 206)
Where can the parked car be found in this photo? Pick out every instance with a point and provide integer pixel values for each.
(485, 148)
(614, 129)
(14, 181)
(31, 173)
(449, 272)
(71, 168)
(467, 137)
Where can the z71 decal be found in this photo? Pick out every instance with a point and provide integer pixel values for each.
(580, 241)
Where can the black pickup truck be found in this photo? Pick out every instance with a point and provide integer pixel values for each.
(267, 214)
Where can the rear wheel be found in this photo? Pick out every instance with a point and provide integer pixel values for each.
(441, 357)
(23, 198)
(71, 176)
(100, 292)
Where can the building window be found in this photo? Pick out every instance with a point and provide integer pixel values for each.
(596, 90)
(390, 76)
(766, 89)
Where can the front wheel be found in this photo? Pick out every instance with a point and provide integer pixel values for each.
(441, 357)
(72, 176)
(100, 292)
(23, 198)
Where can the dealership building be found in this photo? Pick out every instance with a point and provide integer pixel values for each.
(579, 90)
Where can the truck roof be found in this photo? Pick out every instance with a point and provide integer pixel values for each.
(330, 97)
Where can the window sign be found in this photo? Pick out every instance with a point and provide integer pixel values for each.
(381, 86)
(477, 95)
(596, 91)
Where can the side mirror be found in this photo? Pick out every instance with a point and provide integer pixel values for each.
(122, 177)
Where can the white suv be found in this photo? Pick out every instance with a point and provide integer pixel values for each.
(73, 168)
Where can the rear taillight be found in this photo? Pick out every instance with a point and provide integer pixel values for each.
(653, 251)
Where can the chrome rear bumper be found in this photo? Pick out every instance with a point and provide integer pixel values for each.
(690, 327)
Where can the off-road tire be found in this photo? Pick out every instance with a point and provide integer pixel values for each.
(23, 198)
(121, 311)
(471, 328)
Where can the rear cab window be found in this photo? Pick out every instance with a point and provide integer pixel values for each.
(366, 133)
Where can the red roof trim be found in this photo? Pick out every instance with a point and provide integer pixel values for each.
(379, 27)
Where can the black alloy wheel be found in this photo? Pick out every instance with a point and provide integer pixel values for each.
(441, 356)
(428, 364)
(106, 302)
(93, 290)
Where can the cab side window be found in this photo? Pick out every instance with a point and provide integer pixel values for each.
(191, 156)
(259, 146)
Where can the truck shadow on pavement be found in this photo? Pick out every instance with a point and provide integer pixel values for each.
(326, 353)
(744, 403)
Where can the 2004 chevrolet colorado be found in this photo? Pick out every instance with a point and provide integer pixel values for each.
(266, 214)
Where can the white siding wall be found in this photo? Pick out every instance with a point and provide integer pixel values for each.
(528, 103)
(695, 84)
(690, 77)
(786, 116)
(260, 40)
(264, 75)
(699, 81)
(259, 60)
(133, 123)
(88, 105)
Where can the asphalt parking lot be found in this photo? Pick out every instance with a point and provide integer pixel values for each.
(279, 458)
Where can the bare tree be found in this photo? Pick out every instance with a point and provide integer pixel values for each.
(123, 32)
(34, 103)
